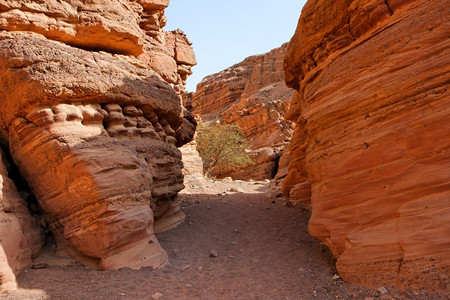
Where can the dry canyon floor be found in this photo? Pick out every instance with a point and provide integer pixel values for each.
(263, 252)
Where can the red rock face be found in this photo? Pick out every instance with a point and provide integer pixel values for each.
(253, 96)
(95, 134)
(372, 109)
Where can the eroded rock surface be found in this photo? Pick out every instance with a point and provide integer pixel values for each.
(371, 145)
(95, 133)
(21, 237)
(118, 27)
(252, 95)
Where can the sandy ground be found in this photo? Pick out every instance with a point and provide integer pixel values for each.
(263, 247)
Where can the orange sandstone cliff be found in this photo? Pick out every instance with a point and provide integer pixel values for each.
(252, 95)
(91, 112)
(371, 147)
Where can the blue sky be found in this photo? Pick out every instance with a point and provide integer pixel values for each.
(224, 33)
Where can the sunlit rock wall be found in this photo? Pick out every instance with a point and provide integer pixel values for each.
(371, 146)
(91, 110)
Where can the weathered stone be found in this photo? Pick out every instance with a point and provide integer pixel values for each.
(39, 265)
(372, 115)
(105, 25)
(119, 27)
(170, 55)
(154, 4)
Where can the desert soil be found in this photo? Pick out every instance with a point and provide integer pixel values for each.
(263, 252)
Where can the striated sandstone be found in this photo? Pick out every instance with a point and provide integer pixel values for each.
(21, 237)
(372, 113)
(119, 27)
(253, 96)
(111, 26)
(122, 158)
(95, 134)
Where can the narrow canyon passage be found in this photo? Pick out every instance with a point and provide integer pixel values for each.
(350, 118)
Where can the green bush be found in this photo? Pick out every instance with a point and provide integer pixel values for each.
(222, 147)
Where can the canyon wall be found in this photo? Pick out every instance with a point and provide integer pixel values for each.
(371, 145)
(253, 96)
(91, 111)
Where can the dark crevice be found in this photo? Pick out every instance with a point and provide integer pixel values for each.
(20, 183)
(276, 167)
(96, 48)
(350, 29)
(314, 61)
(391, 12)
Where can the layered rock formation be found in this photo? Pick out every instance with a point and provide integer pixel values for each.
(252, 95)
(95, 133)
(120, 27)
(371, 145)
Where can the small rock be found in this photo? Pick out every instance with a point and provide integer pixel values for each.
(236, 190)
(185, 268)
(383, 290)
(227, 179)
(39, 265)
(189, 285)
(336, 277)
(233, 243)
(122, 294)
(236, 230)
(156, 296)
(213, 253)
(408, 294)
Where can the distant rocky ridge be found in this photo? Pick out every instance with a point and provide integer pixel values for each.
(91, 115)
(371, 147)
(251, 94)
